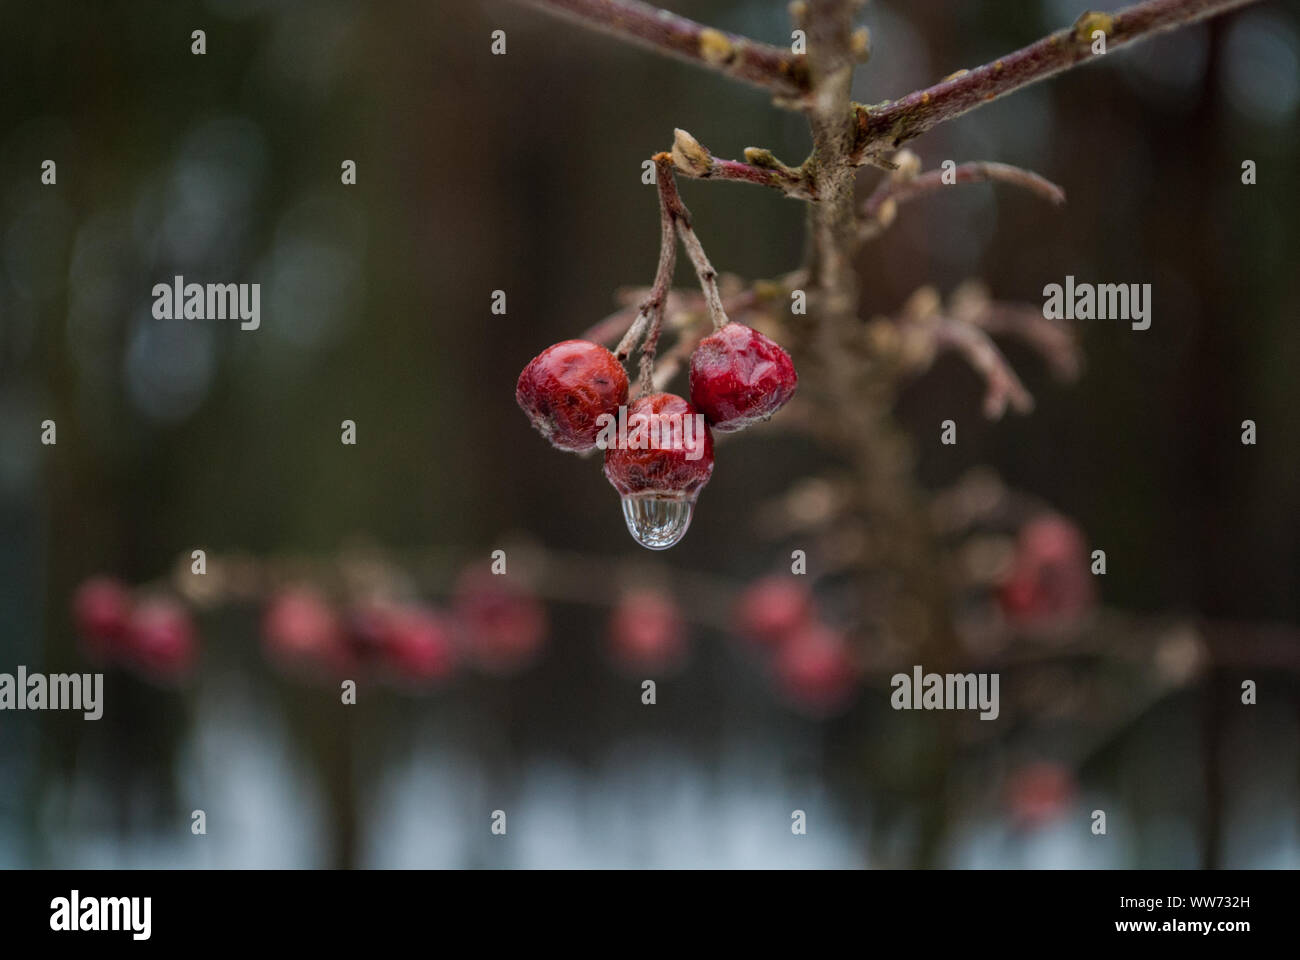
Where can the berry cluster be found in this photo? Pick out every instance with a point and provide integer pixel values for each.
(810, 662)
(576, 393)
(493, 625)
(152, 635)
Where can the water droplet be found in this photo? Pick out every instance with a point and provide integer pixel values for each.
(657, 522)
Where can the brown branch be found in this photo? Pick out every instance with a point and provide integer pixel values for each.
(760, 167)
(1054, 340)
(1003, 387)
(878, 211)
(761, 64)
(829, 24)
(924, 328)
(651, 312)
(672, 202)
(888, 126)
(673, 217)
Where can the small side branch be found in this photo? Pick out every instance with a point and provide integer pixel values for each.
(672, 202)
(888, 126)
(924, 328)
(650, 315)
(693, 159)
(674, 218)
(1053, 340)
(880, 208)
(761, 64)
(1002, 387)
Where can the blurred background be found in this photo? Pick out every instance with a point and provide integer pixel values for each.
(522, 173)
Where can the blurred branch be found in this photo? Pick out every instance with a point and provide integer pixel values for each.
(889, 125)
(924, 328)
(761, 64)
(1054, 340)
(880, 208)
(922, 338)
(1002, 387)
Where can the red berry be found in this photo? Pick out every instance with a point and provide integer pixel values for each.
(504, 624)
(772, 609)
(814, 669)
(1049, 583)
(420, 645)
(367, 631)
(100, 610)
(660, 467)
(160, 639)
(1038, 793)
(739, 377)
(646, 631)
(300, 628)
(566, 388)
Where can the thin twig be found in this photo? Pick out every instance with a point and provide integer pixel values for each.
(760, 167)
(761, 64)
(888, 126)
(694, 249)
(1053, 339)
(650, 315)
(926, 328)
(1003, 387)
(654, 304)
(878, 211)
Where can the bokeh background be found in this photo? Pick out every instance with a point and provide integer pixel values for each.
(522, 172)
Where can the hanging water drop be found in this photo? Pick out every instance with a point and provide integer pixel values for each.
(657, 522)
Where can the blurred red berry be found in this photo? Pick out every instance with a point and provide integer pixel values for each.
(814, 669)
(160, 639)
(100, 609)
(504, 624)
(740, 377)
(367, 631)
(301, 629)
(772, 609)
(419, 645)
(566, 388)
(1039, 793)
(1049, 582)
(646, 631)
